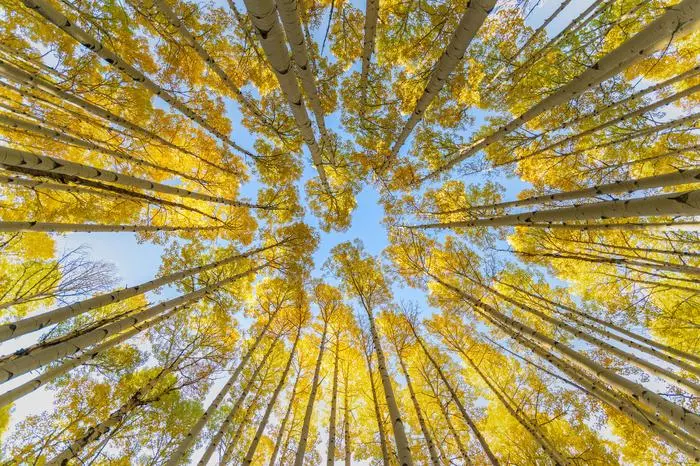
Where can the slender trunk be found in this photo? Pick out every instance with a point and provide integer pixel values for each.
(346, 420)
(402, 446)
(52, 227)
(473, 17)
(177, 456)
(647, 341)
(67, 365)
(676, 23)
(263, 14)
(633, 226)
(48, 353)
(677, 177)
(62, 134)
(91, 43)
(528, 425)
(42, 163)
(223, 428)
(370, 30)
(330, 453)
(419, 413)
(280, 433)
(289, 12)
(377, 413)
(539, 30)
(31, 324)
(460, 445)
(35, 81)
(271, 403)
(683, 203)
(482, 441)
(676, 414)
(303, 439)
(227, 456)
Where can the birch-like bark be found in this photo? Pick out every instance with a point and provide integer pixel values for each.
(54, 227)
(34, 81)
(109, 424)
(458, 440)
(285, 419)
(434, 458)
(403, 448)
(370, 33)
(303, 438)
(216, 439)
(61, 134)
(377, 412)
(473, 17)
(626, 117)
(263, 14)
(676, 414)
(177, 456)
(289, 13)
(227, 456)
(24, 361)
(677, 177)
(669, 433)
(467, 418)
(528, 425)
(83, 357)
(630, 226)
(271, 403)
(683, 203)
(330, 452)
(346, 421)
(677, 22)
(37, 322)
(539, 30)
(91, 43)
(23, 159)
(574, 313)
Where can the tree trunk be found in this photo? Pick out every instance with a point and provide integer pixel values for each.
(227, 456)
(678, 177)
(47, 353)
(377, 413)
(52, 227)
(271, 403)
(42, 163)
(435, 460)
(263, 14)
(677, 22)
(31, 324)
(283, 425)
(216, 439)
(634, 226)
(370, 30)
(67, 365)
(460, 445)
(482, 441)
(683, 203)
(91, 43)
(330, 453)
(473, 17)
(196, 429)
(346, 421)
(402, 446)
(303, 439)
(289, 12)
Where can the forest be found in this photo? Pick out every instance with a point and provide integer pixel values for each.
(379, 232)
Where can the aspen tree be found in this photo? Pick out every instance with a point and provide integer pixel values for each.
(368, 43)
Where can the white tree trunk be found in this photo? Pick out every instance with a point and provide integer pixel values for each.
(377, 413)
(22, 159)
(37, 322)
(473, 17)
(678, 177)
(270, 404)
(330, 452)
(263, 14)
(683, 203)
(289, 13)
(677, 22)
(370, 32)
(632, 226)
(91, 43)
(303, 438)
(283, 424)
(53, 227)
(23, 362)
